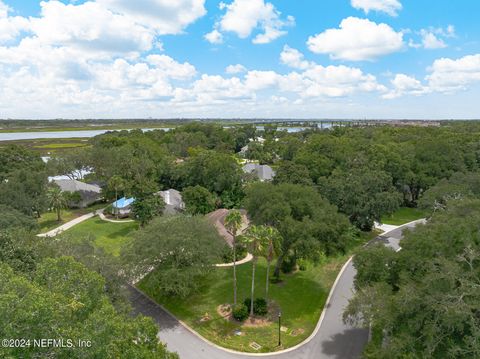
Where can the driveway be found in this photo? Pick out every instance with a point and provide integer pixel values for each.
(333, 340)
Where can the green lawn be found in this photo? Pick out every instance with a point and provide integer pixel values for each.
(301, 297)
(404, 215)
(110, 236)
(48, 220)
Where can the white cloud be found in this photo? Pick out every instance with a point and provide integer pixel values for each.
(390, 7)
(433, 38)
(10, 26)
(90, 26)
(242, 17)
(430, 41)
(357, 40)
(446, 76)
(405, 85)
(293, 58)
(449, 75)
(163, 16)
(214, 37)
(235, 69)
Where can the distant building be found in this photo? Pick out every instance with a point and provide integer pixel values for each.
(263, 172)
(173, 201)
(123, 206)
(89, 193)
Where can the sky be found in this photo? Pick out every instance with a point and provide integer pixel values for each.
(312, 59)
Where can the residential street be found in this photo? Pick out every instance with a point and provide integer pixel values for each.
(334, 339)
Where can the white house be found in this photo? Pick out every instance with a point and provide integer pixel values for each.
(173, 201)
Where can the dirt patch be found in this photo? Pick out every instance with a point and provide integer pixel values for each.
(256, 322)
(297, 332)
(224, 310)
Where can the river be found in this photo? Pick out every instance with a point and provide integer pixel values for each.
(15, 136)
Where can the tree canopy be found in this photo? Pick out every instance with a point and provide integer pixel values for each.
(177, 251)
(423, 301)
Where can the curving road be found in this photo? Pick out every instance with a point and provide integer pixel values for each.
(334, 339)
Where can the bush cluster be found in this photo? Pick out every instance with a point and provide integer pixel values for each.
(260, 306)
(240, 312)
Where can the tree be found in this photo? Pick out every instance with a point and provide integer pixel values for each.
(460, 185)
(117, 184)
(146, 208)
(362, 193)
(12, 218)
(198, 200)
(57, 200)
(217, 172)
(179, 252)
(66, 298)
(25, 190)
(423, 300)
(272, 238)
(309, 226)
(255, 241)
(291, 172)
(14, 158)
(74, 164)
(233, 223)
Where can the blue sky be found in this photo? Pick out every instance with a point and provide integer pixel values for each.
(240, 58)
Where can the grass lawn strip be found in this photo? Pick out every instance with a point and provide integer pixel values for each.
(404, 215)
(48, 220)
(110, 236)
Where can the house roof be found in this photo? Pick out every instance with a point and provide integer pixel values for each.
(123, 202)
(172, 197)
(69, 185)
(263, 172)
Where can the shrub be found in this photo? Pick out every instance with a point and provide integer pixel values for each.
(227, 253)
(240, 312)
(302, 265)
(260, 306)
(288, 265)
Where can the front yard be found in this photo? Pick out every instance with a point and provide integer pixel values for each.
(110, 236)
(48, 220)
(404, 215)
(300, 297)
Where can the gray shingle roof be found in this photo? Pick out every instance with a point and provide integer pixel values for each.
(69, 185)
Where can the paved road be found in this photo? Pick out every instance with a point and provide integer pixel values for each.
(334, 340)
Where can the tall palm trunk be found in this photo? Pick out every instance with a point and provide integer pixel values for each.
(59, 217)
(268, 277)
(234, 270)
(253, 285)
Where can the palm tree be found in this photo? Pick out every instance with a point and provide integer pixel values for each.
(255, 241)
(233, 223)
(56, 200)
(117, 184)
(272, 238)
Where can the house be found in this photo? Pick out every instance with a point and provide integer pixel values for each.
(89, 193)
(123, 206)
(263, 172)
(173, 201)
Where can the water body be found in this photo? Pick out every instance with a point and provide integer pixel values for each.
(15, 136)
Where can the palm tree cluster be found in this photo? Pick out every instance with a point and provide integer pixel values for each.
(261, 241)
